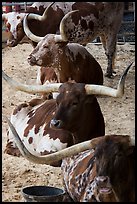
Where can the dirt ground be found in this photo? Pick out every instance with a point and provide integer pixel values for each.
(119, 114)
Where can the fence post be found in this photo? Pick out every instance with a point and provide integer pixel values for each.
(17, 8)
(8, 8)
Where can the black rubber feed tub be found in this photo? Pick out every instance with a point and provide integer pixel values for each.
(43, 194)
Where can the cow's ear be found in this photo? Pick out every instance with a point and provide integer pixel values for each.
(62, 44)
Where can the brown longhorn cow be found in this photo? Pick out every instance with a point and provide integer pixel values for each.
(51, 125)
(85, 22)
(69, 60)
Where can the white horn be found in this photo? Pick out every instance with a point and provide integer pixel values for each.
(54, 157)
(38, 17)
(63, 24)
(27, 31)
(63, 36)
(103, 90)
(46, 88)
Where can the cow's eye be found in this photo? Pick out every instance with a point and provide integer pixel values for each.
(75, 103)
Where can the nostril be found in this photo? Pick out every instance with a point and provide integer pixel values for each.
(101, 179)
(55, 123)
(10, 42)
(31, 59)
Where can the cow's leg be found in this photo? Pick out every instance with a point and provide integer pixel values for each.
(111, 53)
(103, 40)
(41, 79)
(11, 147)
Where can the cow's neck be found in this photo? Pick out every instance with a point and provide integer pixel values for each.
(62, 65)
(88, 129)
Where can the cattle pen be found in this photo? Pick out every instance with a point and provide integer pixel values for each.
(119, 113)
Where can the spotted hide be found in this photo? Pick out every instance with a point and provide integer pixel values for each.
(105, 173)
(89, 20)
(80, 114)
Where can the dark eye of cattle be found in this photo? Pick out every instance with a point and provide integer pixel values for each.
(18, 17)
(75, 103)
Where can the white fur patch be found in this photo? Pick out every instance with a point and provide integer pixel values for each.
(13, 20)
(39, 143)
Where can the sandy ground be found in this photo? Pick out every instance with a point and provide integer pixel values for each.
(119, 114)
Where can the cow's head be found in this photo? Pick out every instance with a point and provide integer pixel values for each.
(45, 53)
(72, 102)
(14, 25)
(114, 164)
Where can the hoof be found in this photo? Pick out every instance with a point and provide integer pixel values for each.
(109, 75)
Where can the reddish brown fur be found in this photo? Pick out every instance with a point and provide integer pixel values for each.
(69, 60)
(90, 121)
(78, 113)
(110, 165)
(101, 19)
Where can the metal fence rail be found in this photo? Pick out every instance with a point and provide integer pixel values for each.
(126, 32)
(11, 6)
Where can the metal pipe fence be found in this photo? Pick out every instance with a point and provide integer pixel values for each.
(126, 32)
(15, 6)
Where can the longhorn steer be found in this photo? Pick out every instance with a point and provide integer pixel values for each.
(103, 174)
(32, 120)
(75, 110)
(88, 20)
(69, 60)
(102, 171)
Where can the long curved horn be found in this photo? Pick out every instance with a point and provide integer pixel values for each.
(103, 90)
(63, 37)
(46, 88)
(54, 157)
(27, 31)
(38, 17)
(53, 87)
(63, 26)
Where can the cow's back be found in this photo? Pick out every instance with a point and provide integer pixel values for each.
(86, 69)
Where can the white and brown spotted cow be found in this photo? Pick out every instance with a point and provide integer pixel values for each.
(103, 174)
(88, 20)
(14, 20)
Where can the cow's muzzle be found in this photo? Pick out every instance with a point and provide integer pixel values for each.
(32, 60)
(103, 183)
(56, 123)
(11, 43)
